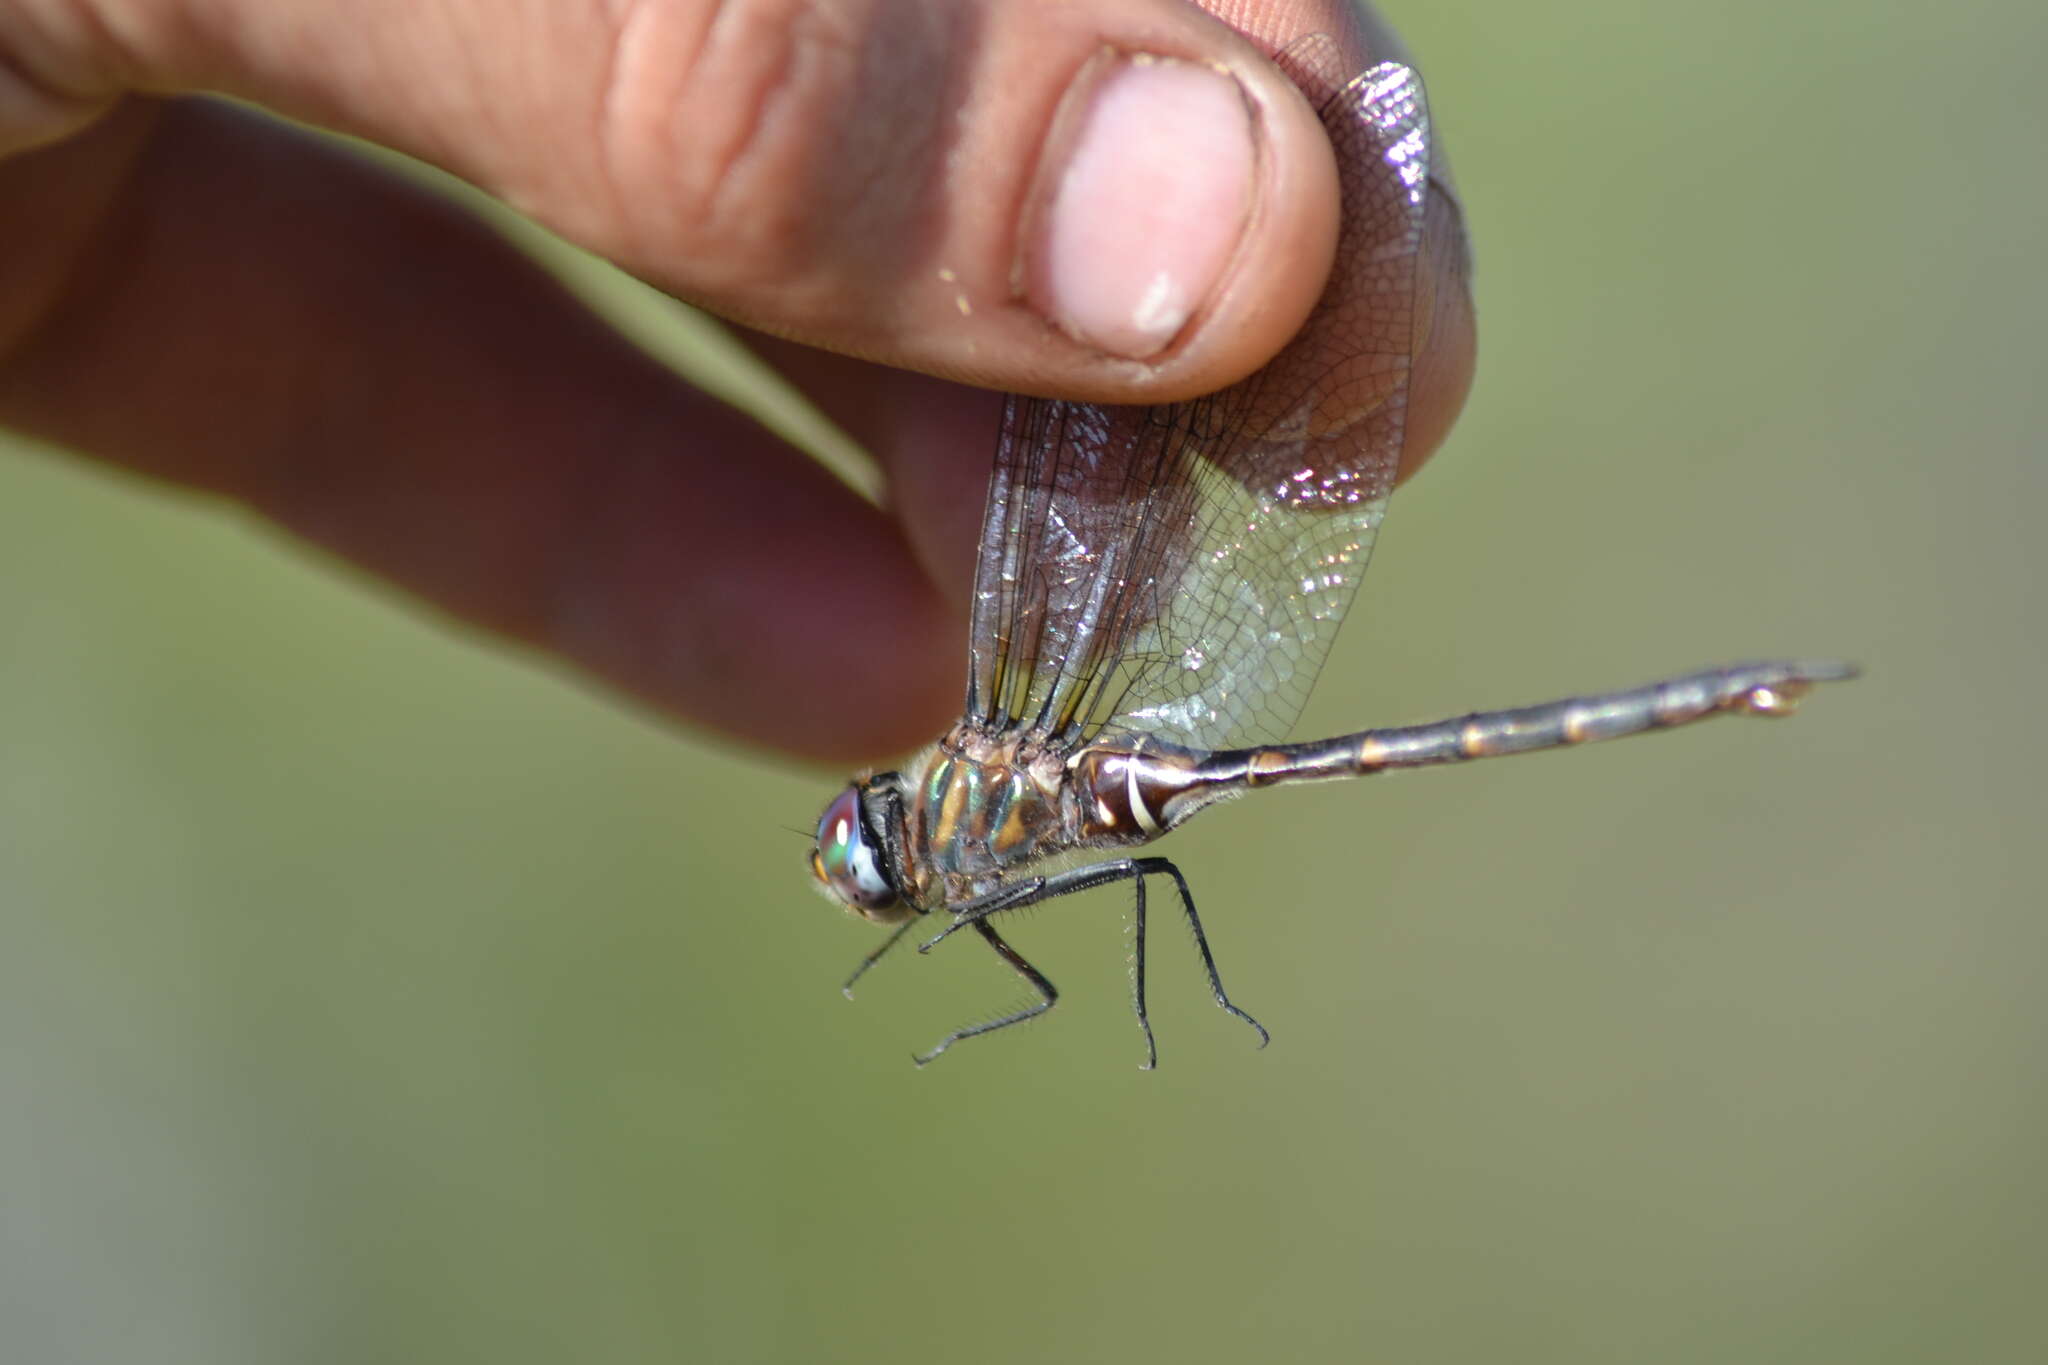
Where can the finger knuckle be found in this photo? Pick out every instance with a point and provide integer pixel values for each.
(713, 137)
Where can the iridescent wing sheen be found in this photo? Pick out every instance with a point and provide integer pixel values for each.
(1180, 570)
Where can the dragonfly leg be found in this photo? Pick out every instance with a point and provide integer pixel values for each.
(1187, 905)
(974, 912)
(1037, 889)
(1138, 978)
(1048, 994)
(875, 956)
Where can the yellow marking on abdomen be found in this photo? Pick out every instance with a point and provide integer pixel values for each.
(1266, 767)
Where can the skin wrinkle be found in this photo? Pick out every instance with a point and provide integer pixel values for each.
(876, 170)
(915, 61)
(634, 28)
(191, 48)
(100, 51)
(799, 203)
(48, 89)
(29, 76)
(475, 107)
(777, 76)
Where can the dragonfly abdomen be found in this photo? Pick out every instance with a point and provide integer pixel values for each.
(1757, 689)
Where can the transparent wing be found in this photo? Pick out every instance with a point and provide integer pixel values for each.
(1181, 570)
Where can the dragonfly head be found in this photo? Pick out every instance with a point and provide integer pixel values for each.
(850, 862)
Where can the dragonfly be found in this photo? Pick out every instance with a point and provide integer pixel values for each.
(1155, 591)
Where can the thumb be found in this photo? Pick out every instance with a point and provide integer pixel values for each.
(1118, 200)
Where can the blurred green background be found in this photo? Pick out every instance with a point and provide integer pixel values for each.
(368, 994)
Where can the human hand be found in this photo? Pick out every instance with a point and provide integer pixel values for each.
(219, 300)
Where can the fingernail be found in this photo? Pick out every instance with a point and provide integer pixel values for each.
(1140, 215)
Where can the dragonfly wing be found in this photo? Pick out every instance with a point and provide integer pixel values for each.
(1180, 570)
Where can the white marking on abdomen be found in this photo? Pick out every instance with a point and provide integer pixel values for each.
(1138, 808)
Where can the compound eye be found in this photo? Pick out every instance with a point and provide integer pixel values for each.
(846, 860)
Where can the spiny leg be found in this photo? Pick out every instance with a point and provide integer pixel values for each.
(1047, 993)
(1187, 904)
(870, 960)
(1010, 897)
(977, 913)
(1138, 980)
(1033, 890)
